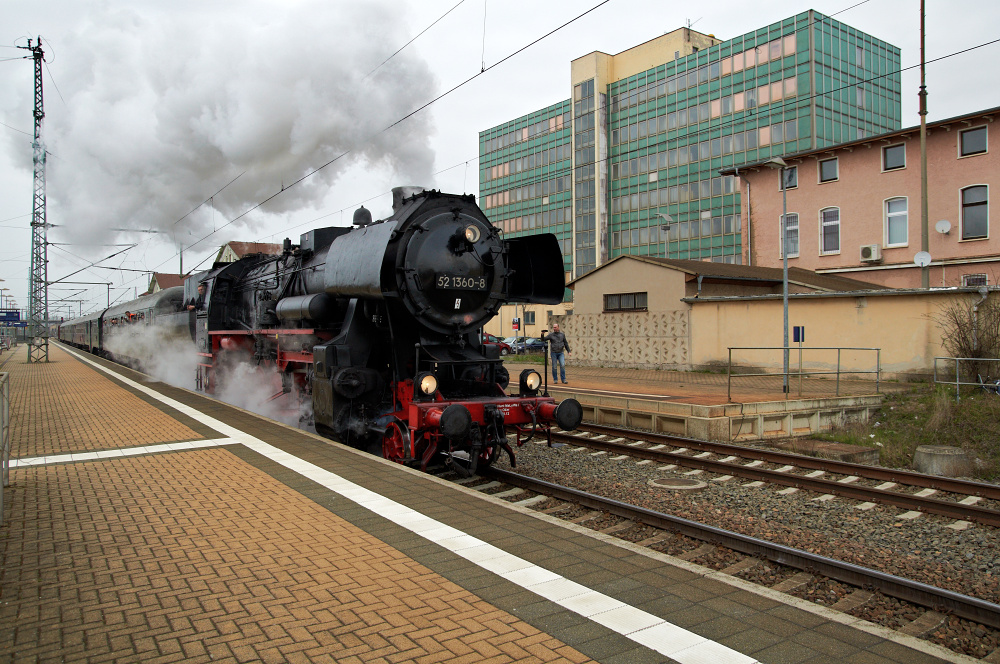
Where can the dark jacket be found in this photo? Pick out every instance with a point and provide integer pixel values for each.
(557, 342)
(198, 302)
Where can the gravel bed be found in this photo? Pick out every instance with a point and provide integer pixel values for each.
(719, 559)
(924, 549)
(676, 545)
(767, 574)
(823, 591)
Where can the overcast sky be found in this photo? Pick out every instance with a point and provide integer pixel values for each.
(154, 108)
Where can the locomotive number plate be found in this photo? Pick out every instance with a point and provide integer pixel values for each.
(457, 282)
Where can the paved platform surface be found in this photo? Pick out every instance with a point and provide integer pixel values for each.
(702, 388)
(145, 523)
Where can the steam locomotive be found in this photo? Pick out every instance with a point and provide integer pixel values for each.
(379, 324)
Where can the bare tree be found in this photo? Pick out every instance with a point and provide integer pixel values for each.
(971, 328)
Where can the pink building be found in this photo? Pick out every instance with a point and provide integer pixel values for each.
(854, 208)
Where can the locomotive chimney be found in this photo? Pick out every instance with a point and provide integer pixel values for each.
(362, 217)
(401, 193)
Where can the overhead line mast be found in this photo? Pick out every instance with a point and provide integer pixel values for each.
(38, 295)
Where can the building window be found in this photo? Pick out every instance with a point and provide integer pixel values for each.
(893, 157)
(828, 170)
(896, 222)
(625, 302)
(829, 235)
(529, 317)
(972, 141)
(975, 213)
(974, 279)
(791, 178)
(791, 235)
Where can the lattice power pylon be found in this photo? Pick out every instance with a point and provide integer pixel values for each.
(38, 292)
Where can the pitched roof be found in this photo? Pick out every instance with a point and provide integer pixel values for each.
(164, 280)
(752, 273)
(242, 249)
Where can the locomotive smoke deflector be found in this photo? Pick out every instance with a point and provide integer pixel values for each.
(535, 280)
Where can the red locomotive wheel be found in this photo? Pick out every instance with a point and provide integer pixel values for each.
(396, 441)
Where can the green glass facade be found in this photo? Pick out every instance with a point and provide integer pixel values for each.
(664, 134)
(525, 175)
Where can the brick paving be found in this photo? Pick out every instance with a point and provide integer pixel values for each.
(198, 556)
(64, 406)
(222, 554)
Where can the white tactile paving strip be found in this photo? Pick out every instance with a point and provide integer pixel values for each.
(639, 626)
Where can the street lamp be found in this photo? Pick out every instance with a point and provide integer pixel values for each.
(666, 233)
(779, 163)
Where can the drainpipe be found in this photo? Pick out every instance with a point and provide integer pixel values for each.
(749, 235)
(700, 277)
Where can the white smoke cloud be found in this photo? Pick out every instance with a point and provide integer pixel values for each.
(169, 355)
(160, 114)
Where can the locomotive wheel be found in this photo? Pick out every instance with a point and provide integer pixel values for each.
(396, 442)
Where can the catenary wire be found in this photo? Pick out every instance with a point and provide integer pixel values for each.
(412, 40)
(390, 126)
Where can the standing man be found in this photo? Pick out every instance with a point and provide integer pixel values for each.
(559, 347)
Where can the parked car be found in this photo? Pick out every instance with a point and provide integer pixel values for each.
(529, 345)
(490, 340)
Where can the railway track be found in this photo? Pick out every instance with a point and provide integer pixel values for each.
(861, 578)
(797, 472)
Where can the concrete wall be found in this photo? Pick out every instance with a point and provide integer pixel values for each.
(658, 337)
(902, 326)
(640, 340)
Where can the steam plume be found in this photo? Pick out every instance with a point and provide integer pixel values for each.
(160, 114)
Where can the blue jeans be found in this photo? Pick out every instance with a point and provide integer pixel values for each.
(558, 359)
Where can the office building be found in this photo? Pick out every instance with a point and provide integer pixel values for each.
(630, 163)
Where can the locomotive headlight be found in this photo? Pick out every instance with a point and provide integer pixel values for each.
(472, 233)
(529, 382)
(427, 383)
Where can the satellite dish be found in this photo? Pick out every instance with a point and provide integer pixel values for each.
(943, 226)
(922, 259)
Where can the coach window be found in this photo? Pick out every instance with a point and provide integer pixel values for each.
(975, 213)
(893, 157)
(972, 141)
(828, 171)
(829, 232)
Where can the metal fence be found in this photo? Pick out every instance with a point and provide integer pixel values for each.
(968, 371)
(4, 436)
(796, 355)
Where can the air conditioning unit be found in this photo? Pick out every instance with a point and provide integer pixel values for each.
(871, 253)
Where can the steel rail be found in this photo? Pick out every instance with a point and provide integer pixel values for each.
(939, 599)
(951, 485)
(946, 508)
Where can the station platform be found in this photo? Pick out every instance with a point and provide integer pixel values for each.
(147, 523)
(700, 387)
